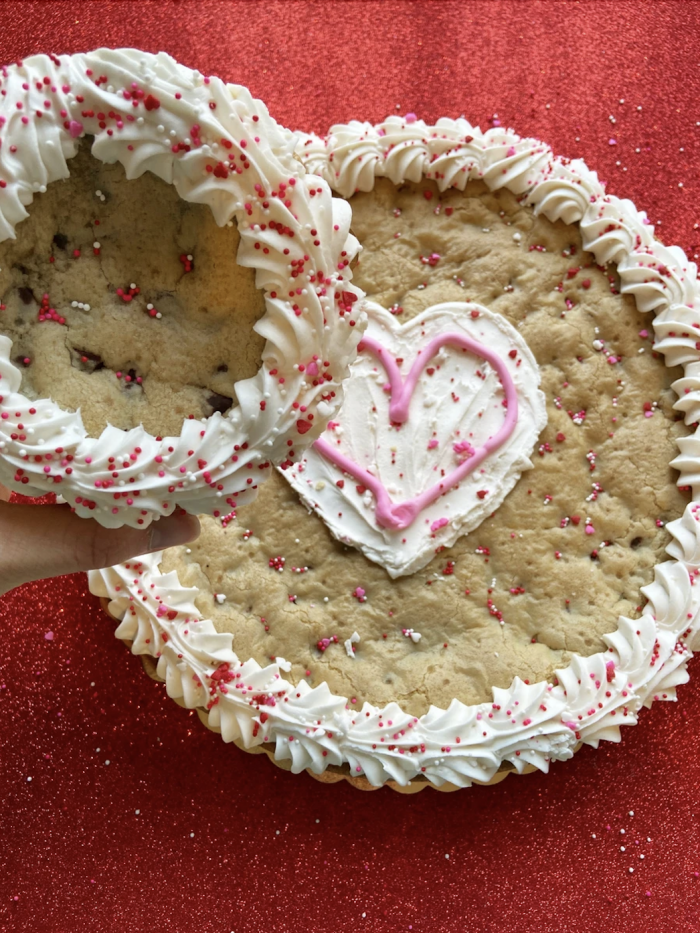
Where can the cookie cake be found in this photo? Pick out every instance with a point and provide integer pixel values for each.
(467, 574)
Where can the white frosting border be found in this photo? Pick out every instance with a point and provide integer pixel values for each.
(218, 146)
(646, 658)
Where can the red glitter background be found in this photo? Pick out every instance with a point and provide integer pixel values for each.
(118, 810)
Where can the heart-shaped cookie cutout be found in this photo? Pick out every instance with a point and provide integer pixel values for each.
(440, 418)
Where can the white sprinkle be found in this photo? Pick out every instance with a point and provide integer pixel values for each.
(631, 870)
(447, 855)
(28, 779)
(137, 812)
(107, 761)
(220, 598)
(349, 642)
(631, 813)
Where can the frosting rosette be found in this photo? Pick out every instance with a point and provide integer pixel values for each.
(219, 147)
(258, 703)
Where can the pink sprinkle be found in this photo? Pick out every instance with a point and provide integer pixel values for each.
(411, 118)
(590, 530)
(511, 151)
(571, 725)
(439, 523)
(312, 369)
(612, 142)
(432, 444)
(644, 334)
(463, 447)
(75, 128)
(49, 636)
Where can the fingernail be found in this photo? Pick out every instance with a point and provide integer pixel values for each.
(179, 528)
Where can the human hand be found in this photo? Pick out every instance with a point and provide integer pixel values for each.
(50, 540)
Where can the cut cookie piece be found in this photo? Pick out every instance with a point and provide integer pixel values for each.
(558, 618)
(219, 147)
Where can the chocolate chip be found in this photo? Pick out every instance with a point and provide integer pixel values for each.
(219, 403)
(223, 368)
(26, 294)
(61, 240)
(635, 542)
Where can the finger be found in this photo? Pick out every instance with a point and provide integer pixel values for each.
(5, 494)
(50, 540)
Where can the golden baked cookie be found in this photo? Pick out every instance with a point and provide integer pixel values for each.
(444, 645)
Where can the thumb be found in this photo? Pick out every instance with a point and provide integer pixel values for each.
(50, 540)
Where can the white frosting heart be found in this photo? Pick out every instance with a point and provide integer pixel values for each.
(440, 417)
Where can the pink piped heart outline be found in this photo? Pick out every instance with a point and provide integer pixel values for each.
(401, 515)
